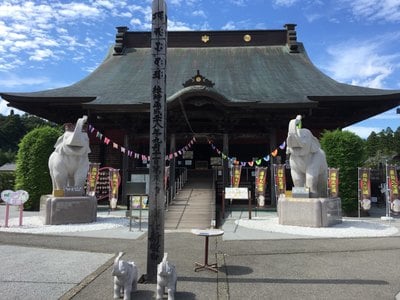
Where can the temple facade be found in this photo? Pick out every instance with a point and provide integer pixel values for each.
(230, 96)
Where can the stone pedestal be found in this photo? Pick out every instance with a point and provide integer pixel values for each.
(309, 212)
(68, 210)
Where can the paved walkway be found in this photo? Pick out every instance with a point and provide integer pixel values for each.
(253, 264)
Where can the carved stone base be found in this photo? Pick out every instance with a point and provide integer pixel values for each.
(68, 210)
(309, 212)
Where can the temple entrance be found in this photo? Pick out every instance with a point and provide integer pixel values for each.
(199, 157)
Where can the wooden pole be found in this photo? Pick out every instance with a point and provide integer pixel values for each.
(155, 244)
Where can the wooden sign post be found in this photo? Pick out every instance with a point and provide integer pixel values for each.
(155, 243)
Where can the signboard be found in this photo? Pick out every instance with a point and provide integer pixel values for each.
(236, 193)
(14, 198)
(333, 182)
(187, 155)
(17, 198)
(280, 179)
(93, 177)
(364, 188)
(261, 184)
(393, 182)
(114, 185)
(140, 199)
(235, 176)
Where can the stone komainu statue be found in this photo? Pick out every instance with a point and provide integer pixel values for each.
(69, 163)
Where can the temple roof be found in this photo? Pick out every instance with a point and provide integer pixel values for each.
(265, 69)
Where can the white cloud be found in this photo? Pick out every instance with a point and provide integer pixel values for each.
(241, 2)
(41, 54)
(73, 11)
(50, 28)
(229, 26)
(178, 26)
(104, 3)
(375, 10)
(363, 63)
(136, 22)
(199, 13)
(285, 3)
(363, 131)
(13, 81)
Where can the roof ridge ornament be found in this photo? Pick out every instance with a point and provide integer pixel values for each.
(119, 40)
(198, 79)
(292, 38)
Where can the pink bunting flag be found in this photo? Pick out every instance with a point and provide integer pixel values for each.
(251, 163)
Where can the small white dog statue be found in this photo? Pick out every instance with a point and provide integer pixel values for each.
(166, 278)
(125, 277)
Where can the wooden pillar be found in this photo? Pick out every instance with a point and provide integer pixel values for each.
(172, 166)
(155, 236)
(125, 163)
(272, 147)
(225, 163)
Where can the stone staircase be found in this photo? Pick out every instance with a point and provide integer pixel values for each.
(194, 205)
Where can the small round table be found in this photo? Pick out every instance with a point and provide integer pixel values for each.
(206, 233)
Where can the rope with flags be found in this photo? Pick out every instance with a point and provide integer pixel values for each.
(131, 153)
(251, 163)
(145, 158)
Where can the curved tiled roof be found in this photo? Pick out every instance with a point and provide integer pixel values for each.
(260, 74)
(267, 71)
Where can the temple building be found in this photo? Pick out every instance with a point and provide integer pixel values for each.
(234, 91)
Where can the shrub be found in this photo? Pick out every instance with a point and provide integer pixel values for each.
(345, 150)
(32, 172)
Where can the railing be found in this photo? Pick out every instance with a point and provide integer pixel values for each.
(173, 189)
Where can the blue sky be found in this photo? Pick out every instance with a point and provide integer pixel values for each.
(49, 44)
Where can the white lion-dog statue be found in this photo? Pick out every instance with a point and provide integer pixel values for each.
(166, 278)
(395, 205)
(125, 277)
(308, 164)
(69, 163)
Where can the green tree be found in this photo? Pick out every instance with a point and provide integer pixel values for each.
(372, 144)
(32, 173)
(7, 180)
(12, 128)
(11, 131)
(6, 156)
(345, 150)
